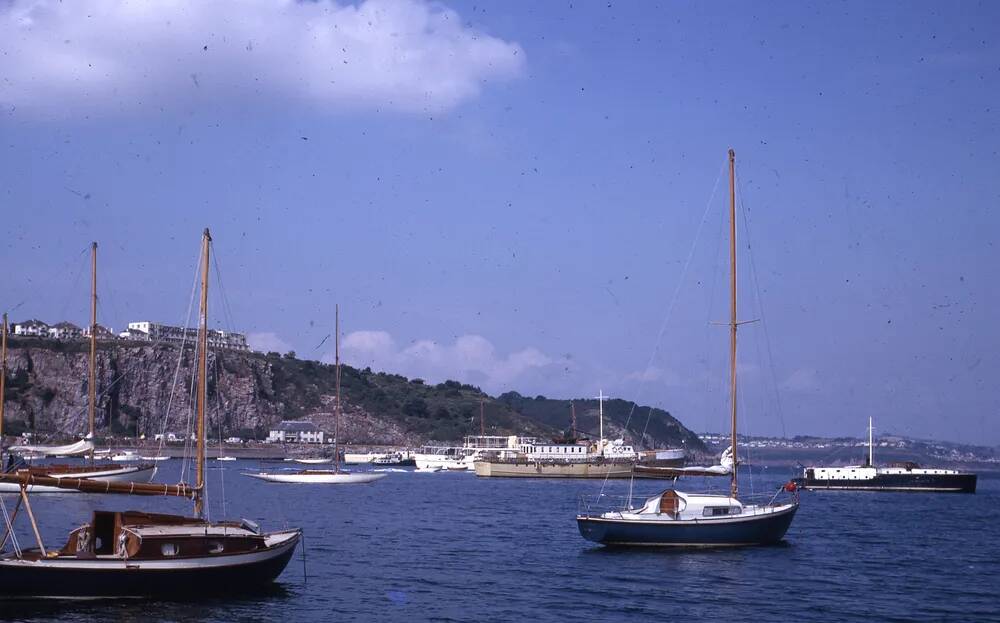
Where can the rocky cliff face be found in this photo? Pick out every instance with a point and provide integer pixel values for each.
(146, 389)
(137, 393)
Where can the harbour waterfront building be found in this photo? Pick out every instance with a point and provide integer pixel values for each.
(294, 431)
(154, 332)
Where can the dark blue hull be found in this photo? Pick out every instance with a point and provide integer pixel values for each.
(761, 529)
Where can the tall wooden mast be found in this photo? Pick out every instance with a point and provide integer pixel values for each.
(92, 379)
(732, 309)
(199, 496)
(482, 417)
(3, 380)
(336, 407)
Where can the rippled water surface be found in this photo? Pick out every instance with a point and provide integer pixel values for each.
(453, 547)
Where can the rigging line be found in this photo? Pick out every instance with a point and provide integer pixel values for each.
(676, 295)
(191, 405)
(710, 374)
(218, 419)
(760, 305)
(177, 372)
(109, 289)
(177, 368)
(741, 396)
(71, 292)
(9, 522)
(229, 320)
(670, 309)
(105, 391)
(52, 279)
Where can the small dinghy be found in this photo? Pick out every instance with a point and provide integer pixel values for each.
(427, 470)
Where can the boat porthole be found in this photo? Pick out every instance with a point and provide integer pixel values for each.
(169, 549)
(215, 547)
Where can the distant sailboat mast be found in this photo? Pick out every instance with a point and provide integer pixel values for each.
(871, 452)
(482, 417)
(92, 379)
(600, 412)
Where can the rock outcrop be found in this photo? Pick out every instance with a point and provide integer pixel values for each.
(146, 389)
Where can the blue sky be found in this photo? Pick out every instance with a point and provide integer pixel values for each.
(507, 193)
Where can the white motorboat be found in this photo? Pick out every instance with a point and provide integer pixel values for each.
(226, 458)
(320, 461)
(427, 470)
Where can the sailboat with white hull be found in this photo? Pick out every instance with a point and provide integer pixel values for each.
(333, 476)
(136, 472)
(139, 554)
(679, 519)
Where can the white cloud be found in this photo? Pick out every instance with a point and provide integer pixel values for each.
(266, 342)
(470, 358)
(408, 55)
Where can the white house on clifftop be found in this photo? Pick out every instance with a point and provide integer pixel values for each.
(296, 431)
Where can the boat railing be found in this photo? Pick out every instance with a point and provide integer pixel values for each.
(597, 504)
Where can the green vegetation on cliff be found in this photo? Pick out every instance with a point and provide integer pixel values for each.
(249, 392)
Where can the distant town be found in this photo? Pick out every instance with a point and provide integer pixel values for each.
(143, 331)
(849, 449)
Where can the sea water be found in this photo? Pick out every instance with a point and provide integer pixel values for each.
(453, 547)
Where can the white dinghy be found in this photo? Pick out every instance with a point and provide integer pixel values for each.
(325, 461)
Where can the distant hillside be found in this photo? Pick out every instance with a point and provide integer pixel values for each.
(249, 392)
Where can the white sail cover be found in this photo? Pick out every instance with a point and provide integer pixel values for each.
(74, 449)
(724, 468)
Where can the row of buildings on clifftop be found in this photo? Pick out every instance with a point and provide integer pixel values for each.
(143, 331)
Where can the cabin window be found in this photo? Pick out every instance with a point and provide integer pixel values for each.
(715, 511)
(215, 547)
(169, 549)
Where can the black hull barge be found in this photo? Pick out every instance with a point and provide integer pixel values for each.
(911, 479)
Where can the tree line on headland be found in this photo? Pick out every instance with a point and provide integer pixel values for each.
(250, 392)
